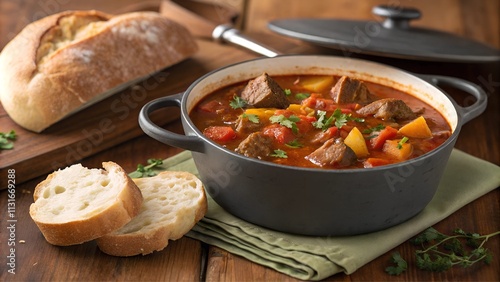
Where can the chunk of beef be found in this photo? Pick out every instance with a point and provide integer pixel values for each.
(256, 145)
(333, 152)
(386, 109)
(264, 92)
(244, 125)
(349, 90)
(322, 136)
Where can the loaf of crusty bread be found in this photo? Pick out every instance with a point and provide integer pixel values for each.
(173, 203)
(65, 62)
(77, 204)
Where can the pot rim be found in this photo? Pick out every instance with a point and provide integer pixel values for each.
(415, 161)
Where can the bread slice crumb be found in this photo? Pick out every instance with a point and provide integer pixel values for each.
(76, 204)
(174, 202)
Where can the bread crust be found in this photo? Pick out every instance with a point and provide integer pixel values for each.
(119, 49)
(146, 242)
(126, 206)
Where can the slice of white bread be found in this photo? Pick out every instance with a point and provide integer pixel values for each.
(174, 202)
(77, 204)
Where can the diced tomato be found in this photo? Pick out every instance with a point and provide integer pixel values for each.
(344, 131)
(315, 101)
(373, 162)
(220, 133)
(210, 107)
(281, 133)
(305, 124)
(325, 104)
(332, 131)
(285, 113)
(385, 134)
(310, 101)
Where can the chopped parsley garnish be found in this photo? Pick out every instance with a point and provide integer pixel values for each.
(237, 103)
(294, 144)
(338, 118)
(251, 117)
(379, 127)
(341, 119)
(279, 154)
(401, 142)
(6, 140)
(302, 96)
(288, 92)
(322, 122)
(290, 122)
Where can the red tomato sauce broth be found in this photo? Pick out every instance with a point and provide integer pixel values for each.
(215, 111)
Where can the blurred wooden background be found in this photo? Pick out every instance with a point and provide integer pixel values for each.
(447, 15)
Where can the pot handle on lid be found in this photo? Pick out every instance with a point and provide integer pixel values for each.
(468, 112)
(191, 143)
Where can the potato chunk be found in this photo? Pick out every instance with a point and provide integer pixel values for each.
(357, 143)
(416, 128)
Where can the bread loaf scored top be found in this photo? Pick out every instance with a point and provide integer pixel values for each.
(65, 62)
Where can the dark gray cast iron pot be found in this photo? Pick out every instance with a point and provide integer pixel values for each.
(317, 201)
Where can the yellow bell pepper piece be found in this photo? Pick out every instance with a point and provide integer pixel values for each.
(262, 113)
(296, 108)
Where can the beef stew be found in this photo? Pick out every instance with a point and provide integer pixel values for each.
(319, 121)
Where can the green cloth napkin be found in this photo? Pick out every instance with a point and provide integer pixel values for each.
(466, 178)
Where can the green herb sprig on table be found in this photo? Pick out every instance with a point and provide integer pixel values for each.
(400, 265)
(441, 252)
(6, 140)
(146, 170)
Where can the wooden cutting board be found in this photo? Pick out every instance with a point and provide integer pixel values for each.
(109, 122)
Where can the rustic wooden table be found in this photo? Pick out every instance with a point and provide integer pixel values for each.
(187, 259)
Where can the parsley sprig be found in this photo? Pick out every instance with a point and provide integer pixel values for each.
(441, 252)
(6, 139)
(338, 118)
(400, 265)
(294, 144)
(462, 248)
(290, 122)
(251, 117)
(322, 121)
(278, 153)
(300, 96)
(146, 170)
(376, 128)
(237, 102)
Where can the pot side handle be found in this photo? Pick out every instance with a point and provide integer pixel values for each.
(468, 112)
(191, 143)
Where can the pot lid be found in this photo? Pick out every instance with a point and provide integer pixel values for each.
(393, 37)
